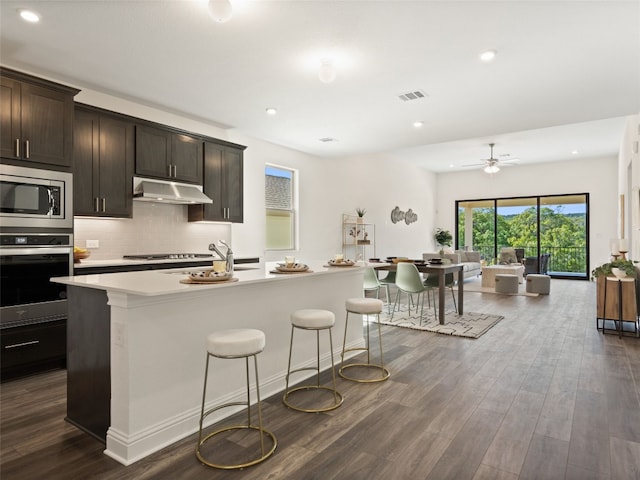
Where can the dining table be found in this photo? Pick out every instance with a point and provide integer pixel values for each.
(441, 271)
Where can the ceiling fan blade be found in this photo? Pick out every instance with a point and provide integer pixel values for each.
(509, 160)
(474, 164)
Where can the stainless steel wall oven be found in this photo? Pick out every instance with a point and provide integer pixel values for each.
(27, 262)
(33, 310)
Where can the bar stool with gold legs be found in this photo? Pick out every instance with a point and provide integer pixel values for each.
(233, 344)
(314, 320)
(363, 306)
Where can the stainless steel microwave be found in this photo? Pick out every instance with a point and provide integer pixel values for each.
(35, 198)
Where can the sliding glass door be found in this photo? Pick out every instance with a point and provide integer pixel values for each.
(476, 227)
(564, 234)
(551, 232)
(517, 225)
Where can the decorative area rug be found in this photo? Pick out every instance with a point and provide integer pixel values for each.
(469, 324)
(476, 286)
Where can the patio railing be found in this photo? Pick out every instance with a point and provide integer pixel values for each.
(571, 260)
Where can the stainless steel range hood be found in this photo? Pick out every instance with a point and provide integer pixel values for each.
(149, 190)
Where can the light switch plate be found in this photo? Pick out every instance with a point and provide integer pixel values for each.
(93, 244)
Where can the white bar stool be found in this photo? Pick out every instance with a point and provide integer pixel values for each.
(314, 320)
(230, 344)
(363, 306)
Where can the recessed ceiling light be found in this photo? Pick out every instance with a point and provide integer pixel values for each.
(574, 152)
(488, 55)
(28, 15)
(271, 111)
(418, 124)
(327, 72)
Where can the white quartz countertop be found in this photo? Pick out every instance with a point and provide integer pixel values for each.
(117, 262)
(163, 282)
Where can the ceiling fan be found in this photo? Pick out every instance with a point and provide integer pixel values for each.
(491, 164)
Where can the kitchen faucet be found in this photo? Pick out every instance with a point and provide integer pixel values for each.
(227, 258)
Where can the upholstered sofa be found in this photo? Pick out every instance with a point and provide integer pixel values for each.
(470, 261)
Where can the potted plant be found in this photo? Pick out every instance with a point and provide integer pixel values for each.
(360, 212)
(628, 267)
(443, 238)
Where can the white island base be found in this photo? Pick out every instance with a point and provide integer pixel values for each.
(158, 329)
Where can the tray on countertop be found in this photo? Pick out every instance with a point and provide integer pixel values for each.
(203, 281)
(344, 263)
(296, 268)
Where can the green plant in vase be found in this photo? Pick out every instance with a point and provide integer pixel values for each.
(443, 238)
(360, 212)
(626, 266)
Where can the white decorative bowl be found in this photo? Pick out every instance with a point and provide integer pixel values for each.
(618, 273)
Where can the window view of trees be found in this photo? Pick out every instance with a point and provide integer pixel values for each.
(559, 228)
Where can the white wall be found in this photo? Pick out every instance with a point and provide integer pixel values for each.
(379, 183)
(629, 181)
(598, 177)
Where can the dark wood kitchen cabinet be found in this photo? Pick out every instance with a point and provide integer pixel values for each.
(32, 348)
(103, 159)
(36, 120)
(168, 155)
(223, 183)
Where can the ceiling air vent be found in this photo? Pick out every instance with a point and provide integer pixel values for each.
(328, 139)
(415, 95)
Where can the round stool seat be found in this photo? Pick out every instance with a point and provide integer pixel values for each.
(313, 318)
(364, 305)
(240, 342)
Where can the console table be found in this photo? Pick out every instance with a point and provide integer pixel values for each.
(617, 303)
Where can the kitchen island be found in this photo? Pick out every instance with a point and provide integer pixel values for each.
(136, 346)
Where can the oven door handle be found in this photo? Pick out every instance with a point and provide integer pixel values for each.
(34, 251)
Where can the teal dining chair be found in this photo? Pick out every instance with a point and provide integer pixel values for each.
(409, 281)
(372, 283)
(432, 281)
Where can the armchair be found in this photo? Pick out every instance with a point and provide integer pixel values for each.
(508, 255)
(537, 264)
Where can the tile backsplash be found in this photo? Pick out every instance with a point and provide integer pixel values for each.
(154, 228)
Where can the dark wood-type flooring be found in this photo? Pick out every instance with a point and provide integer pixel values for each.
(542, 395)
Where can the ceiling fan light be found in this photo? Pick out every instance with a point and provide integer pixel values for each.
(491, 169)
(220, 10)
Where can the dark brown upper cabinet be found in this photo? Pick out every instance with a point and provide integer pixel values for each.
(36, 120)
(168, 155)
(103, 158)
(223, 183)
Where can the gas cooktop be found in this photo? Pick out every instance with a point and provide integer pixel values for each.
(167, 256)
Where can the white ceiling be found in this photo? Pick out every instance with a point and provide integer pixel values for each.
(566, 72)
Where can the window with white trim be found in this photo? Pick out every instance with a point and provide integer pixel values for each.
(280, 208)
